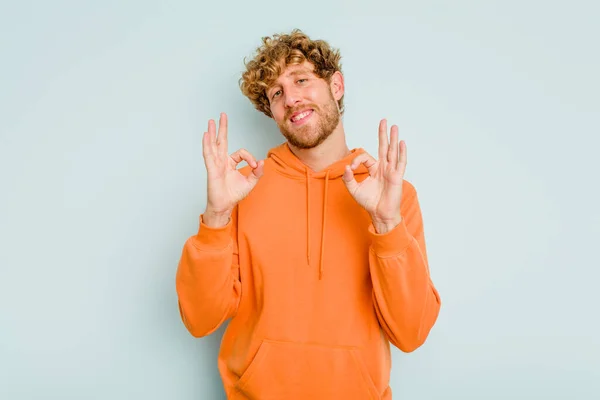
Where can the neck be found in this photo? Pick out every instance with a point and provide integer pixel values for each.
(333, 149)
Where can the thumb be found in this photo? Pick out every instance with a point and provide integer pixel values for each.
(256, 173)
(349, 180)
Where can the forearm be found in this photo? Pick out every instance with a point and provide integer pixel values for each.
(207, 280)
(406, 301)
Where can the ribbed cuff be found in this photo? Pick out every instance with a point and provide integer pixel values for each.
(209, 238)
(390, 243)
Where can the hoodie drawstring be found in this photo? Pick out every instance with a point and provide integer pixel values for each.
(308, 222)
(307, 219)
(323, 228)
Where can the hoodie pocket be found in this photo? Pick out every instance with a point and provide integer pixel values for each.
(284, 370)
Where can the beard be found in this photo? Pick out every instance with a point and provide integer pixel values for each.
(312, 134)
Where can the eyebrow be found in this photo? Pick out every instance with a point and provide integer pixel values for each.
(300, 72)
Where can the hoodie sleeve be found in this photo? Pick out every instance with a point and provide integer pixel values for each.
(406, 302)
(208, 278)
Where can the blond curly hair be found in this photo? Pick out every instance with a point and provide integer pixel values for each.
(282, 50)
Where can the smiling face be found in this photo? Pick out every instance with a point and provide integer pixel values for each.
(304, 106)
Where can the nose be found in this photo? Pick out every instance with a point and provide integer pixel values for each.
(292, 97)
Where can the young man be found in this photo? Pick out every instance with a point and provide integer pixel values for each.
(316, 254)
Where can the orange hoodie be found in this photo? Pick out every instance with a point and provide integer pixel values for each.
(314, 294)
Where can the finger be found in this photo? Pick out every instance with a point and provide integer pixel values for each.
(256, 173)
(212, 137)
(205, 147)
(244, 155)
(222, 138)
(392, 155)
(367, 160)
(383, 140)
(349, 180)
(403, 157)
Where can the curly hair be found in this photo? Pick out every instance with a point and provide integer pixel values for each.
(282, 50)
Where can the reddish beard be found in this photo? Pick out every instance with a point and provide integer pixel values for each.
(310, 134)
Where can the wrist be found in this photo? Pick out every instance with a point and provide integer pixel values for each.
(215, 219)
(385, 225)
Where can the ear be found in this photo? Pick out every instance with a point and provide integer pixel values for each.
(336, 85)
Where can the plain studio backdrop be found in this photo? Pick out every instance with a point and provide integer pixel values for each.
(102, 110)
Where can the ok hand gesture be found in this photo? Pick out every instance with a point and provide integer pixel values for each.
(226, 185)
(381, 192)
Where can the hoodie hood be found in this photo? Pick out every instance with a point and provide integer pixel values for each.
(288, 164)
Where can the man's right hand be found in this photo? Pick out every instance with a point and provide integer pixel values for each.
(226, 185)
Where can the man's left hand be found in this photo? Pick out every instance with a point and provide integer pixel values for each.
(381, 192)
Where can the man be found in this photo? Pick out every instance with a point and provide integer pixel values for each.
(316, 254)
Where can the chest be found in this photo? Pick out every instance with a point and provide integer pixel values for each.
(297, 230)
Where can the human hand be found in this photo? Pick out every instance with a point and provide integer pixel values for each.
(380, 194)
(226, 185)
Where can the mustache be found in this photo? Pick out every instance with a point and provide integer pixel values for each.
(289, 114)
